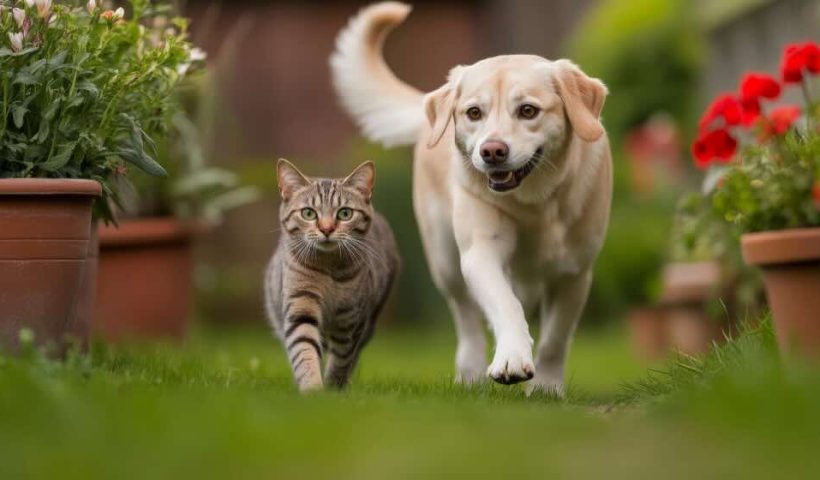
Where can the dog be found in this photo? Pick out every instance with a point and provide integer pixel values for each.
(512, 185)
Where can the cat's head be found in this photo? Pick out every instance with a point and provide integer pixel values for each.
(326, 214)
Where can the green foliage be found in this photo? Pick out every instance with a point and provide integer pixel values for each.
(752, 350)
(193, 189)
(771, 188)
(628, 270)
(648, 53)
(85, 93)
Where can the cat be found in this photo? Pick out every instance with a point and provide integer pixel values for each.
(331, 273)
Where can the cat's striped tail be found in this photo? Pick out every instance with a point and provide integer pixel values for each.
(386, 109)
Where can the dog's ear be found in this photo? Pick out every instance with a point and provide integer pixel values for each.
(290, 178)
(583, 98)
(362, 179)
(439, 105)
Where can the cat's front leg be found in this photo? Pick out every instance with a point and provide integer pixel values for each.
(342, 356)
(304, 344)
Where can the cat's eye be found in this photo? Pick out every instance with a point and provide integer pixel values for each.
(309, 214)
(527, 111)
(344, 214)
(474, 114)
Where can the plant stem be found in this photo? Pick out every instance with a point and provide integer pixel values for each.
(5, 106)
(807, 93)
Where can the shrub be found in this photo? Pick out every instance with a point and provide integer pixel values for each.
(85, 90)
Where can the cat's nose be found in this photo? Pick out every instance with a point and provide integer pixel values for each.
(327, 228)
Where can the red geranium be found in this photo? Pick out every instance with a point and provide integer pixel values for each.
(754, 87)
(798, 59)
(725, 106)
(781, 119)
(759, 85)
(749, 111)
(714, 145)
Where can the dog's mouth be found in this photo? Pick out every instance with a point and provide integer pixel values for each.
(504, 181)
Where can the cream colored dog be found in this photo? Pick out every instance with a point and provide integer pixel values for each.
(512, 188)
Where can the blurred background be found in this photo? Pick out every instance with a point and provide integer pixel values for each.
(269, 96)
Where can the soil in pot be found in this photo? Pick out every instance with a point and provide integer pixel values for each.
(45, 226)
(144, 286)
(790, 260)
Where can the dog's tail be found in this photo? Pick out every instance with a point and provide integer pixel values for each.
(386, 109)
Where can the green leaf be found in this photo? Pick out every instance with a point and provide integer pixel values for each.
(58, 59)
(59, 160)
(25, 78)
(88, 86)
(143, 161)
(18, 113)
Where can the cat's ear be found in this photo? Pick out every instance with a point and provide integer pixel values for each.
(362, 179)
(290, 178)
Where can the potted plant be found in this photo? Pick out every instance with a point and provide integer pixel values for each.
(82, 93)
(768, 192)
(159, 220)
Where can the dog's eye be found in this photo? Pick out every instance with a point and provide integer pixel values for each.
(309, 214)
(527, 111)
(474, 114)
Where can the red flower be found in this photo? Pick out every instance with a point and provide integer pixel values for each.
(749, 111)
(715, 145)
(759, 85)
(782, 118)
(725, 106)
(798, 59)
(815, 194)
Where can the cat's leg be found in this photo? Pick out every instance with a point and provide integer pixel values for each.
(343, 351)
(304, 343)
(560, 313)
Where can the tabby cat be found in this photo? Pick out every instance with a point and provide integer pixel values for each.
(331, 273)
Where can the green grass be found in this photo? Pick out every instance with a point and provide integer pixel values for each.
(223, 406)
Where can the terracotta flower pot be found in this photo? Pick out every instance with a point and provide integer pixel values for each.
(45, 226)
(648, 331)
(688, 288)
(790, 260)
(145, 280)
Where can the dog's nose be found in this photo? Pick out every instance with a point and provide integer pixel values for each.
(494, 152)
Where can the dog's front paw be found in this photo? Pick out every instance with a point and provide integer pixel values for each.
(512, 363)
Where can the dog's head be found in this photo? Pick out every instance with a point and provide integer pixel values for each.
(516, 113)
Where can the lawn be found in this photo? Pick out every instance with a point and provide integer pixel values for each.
(223, 406)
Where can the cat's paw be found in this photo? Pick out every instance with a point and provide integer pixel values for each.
(512, 362)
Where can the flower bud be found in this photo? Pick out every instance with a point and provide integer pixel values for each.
(119, 13)
(91, 6)
(43, 8)
(16, 40)
(19, 16)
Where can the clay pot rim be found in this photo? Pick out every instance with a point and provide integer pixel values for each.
(781, 247)
(148, 231)
(50, 186)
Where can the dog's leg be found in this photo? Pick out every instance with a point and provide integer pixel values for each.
(484, 273)
(471, 361)
(559, 317)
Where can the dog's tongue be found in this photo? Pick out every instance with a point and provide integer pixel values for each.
(502, 180)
